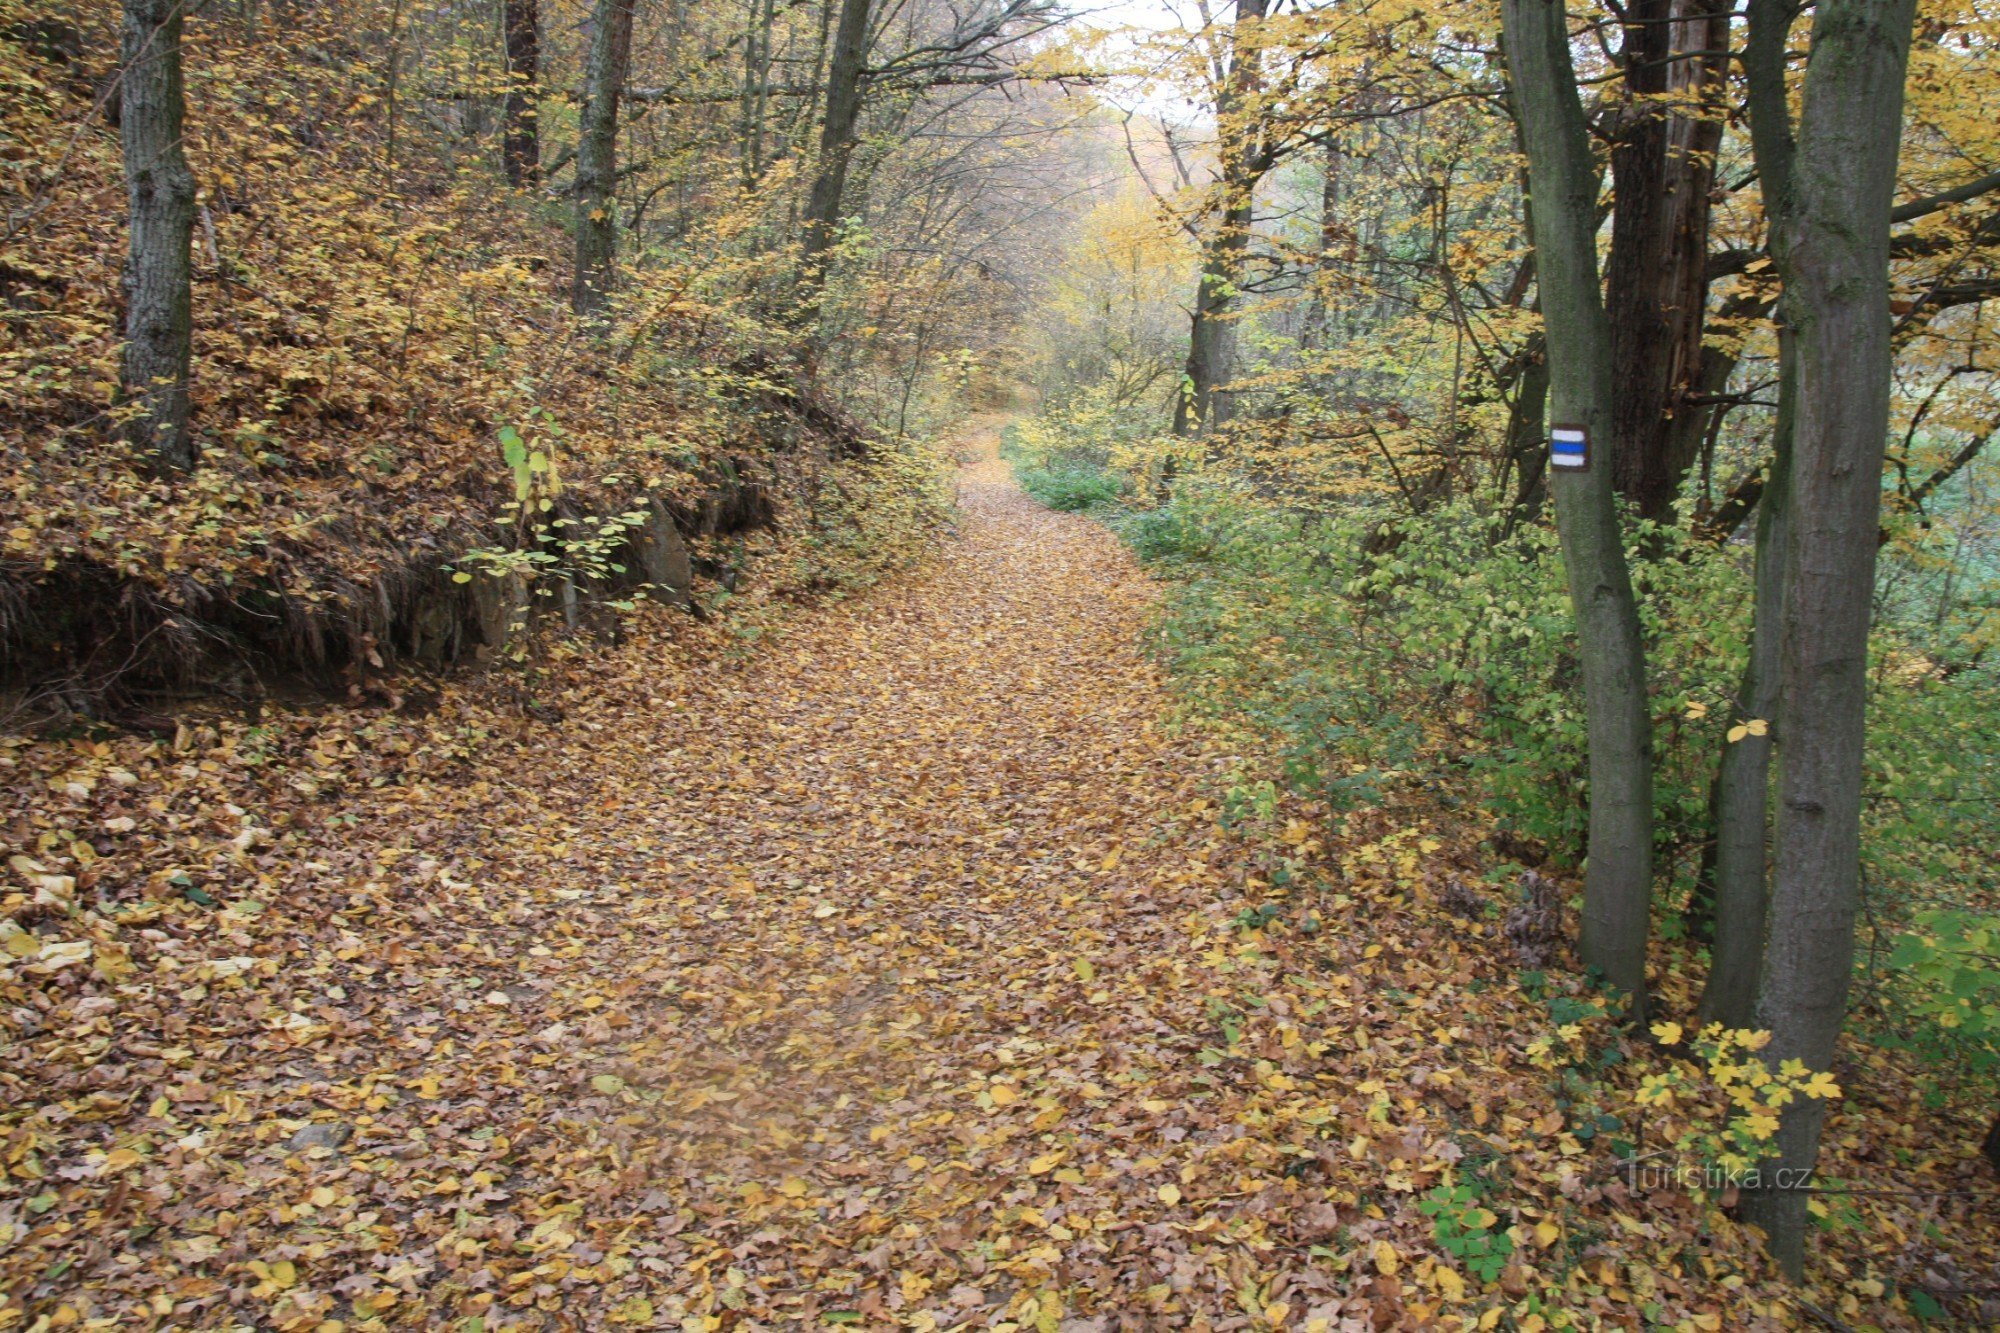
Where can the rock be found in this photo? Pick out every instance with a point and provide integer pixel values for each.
(499, 609)
(435, 628)
(660, 557)
(321, 1134)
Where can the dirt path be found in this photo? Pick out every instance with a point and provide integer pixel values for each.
(924, 1033)
(884, 976)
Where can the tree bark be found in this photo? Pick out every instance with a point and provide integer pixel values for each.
(159, 302)
(1316, 328)
(520, 142)
(597, 157)
(1740, 809)
(1563, 221)
(1204, 402)
(839, 120)
(1656, 277)
(1830, 216)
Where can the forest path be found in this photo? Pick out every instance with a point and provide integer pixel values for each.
(889, 973)
(906, 1007)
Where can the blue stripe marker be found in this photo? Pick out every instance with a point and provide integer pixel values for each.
(1569, 446)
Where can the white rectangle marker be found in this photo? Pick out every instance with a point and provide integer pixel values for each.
(1569, 447)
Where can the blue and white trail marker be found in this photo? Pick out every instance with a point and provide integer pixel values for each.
(1569, 447)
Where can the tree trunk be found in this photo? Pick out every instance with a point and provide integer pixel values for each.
(1563, 221)
(756, 89)
(159, 302)
(1740, 810)
(1211, 361)
(1211, 357)
(1831, 211)
(1656, 277)
(597, 157)
(839, 120)
(1527, 446)
(1316, 328)
(521, 143)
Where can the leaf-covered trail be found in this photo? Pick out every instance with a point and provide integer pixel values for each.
(893, 973)
(895, 941)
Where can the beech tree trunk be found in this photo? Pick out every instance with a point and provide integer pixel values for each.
(159, 303)
(521, 142)
(1830, 207)
(1740, 807)
(1211, 361)
(597, 157)
(839, 121)
(1563, 186)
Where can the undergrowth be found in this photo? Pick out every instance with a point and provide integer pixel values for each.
(1429, 666)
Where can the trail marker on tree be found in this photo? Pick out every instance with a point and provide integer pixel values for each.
(1569, 447)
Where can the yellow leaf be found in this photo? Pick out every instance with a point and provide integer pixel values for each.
(1170, 1195)
(1046, 1163)
(284, 1274)
(1085, 970)
(1668, 1033)
(119, 1159)
(1386, 1258)
(1003, 1094)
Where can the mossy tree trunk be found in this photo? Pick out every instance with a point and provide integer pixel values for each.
(1563, 186)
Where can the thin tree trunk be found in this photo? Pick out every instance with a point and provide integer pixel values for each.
(756, 89)
(1563, 217)
(840, 119)
(1211, 360)
(392, 77)
(1316, 329)
(521, 143)
(1831, 208)
(1740, 809)
(159, 304)
(597, 157)
(1527, 447)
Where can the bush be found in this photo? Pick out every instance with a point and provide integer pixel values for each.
(1071, 488)
(1448, 665)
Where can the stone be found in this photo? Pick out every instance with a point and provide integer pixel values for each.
(660, 557)
(499, 608)
(320, 1134)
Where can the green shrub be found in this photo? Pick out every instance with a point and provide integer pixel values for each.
(1070, 488)
(1448, 664)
